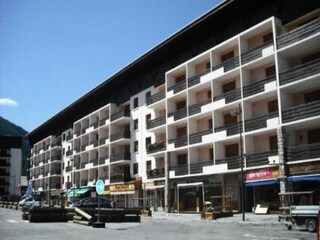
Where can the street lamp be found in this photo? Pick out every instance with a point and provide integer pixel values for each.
(239, 113)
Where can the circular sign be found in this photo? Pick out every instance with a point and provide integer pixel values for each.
(100, 186)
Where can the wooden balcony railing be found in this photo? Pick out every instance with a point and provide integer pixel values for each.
(254, 53)
(259, 122)
(303, 152)
(257, 86)
(155, 98)
(302, 111)
(259, 159)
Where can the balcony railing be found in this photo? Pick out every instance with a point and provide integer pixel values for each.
(181, 113)
(259, 159)
(232, 128)
(302, 111)
(259, 122)
(197, 137)
(83, 165)
(120, 114)
(94, 161)
(156, 122)
(156, 147)
(56, 144)
(55, 172)
(77, 165)
(119, 157)
(254, 53)
(299, 33)
(120, 135)
(257, 86)
(180, 141)
(180, 170)
(303, 152)
(233, 162)
(103, 121)
(68, 153)
(102, 160)
(178, 87)
(198, 167)
(120, 177)
(95, 143)
(155, 173)
(84, 182)
(68, 168)
(68, 185)
(228, 64)
(77, 133)
(230, 96)
(56, 158)
(155, 98)
(94, 125)
(102, 141)
(194, 80)
(196, 108)
(299, 72)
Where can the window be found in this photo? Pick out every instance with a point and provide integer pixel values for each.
(227, 56)
(210, 123)
(208, 65)
(135, 124)
(312, 96)
(314, 136)
(182, 159)
(273, 142)
(136, 145)
(273, 106)
(229, 86)
(180, 78)
(267, 38)
(232, 150)
(135, 102)
(148, 163)
(211, 153)
(180, 105)
(181, 131)
(270, 71)
(148, 94)
(228, 119)
(148, 141)
(209, 94)
(135, 168)
(148, 119)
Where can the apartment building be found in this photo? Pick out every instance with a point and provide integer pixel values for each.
(210, 102)
(10, 167)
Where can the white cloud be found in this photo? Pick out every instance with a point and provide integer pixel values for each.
(8, 102)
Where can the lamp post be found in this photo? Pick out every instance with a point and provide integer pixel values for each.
(239, 113)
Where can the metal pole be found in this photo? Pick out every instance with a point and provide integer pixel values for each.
(241, 165)
(74, 181)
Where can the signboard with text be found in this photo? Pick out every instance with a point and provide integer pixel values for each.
(263, 173)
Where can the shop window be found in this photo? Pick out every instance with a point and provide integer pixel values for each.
(135, 168)
(273, 106)
(135, 124)
(148, 164)
(273, 142)
(270, 71)
(232, 150)
(181, 131)
(229, 86)
(135, 102)
(312, 96)
(314, 136)
(182, 159)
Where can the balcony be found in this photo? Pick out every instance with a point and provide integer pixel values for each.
(156, 147)
(254, 53)
(303, 152)
(102, 160)
(300, 72)
(5, 153)
(94, 161)
(181, 113)
(196, 108)
(68, 153)
(198, 167)
(194, 80)
(233, 162)
(259, 122)
(259, 159)
(155, 98)
(230, 96)
(120, 114)
(95, 143)
(228, 64)
(83, 165)
(178, 87)
(102, 122)
(69, 137)
(94, 125)
(155, 173)
(302, 111)
(55, 172)
(120, 177)
(232, 128)
(180, 169)
(68, 168)
(77, 133)
(102, 141)
(156, 122)
(197, 137)
(120, 157)
(299, 33)
(120, 135)
(56, 158)
(56, 144)
(179, 142)
(257, 86)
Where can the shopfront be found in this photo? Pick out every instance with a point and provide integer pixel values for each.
(305, 177)
(154, 195)
(262, 187)
(125, 195)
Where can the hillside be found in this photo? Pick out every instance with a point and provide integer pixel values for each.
(8, 128)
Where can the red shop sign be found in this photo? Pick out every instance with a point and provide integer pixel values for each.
(259, 174)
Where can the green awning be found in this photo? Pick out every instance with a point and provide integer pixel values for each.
(77, 192)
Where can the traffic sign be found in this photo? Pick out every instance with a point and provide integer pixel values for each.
(100, 187)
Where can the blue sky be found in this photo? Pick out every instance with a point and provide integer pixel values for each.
(53, 52)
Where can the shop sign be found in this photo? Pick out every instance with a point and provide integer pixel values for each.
(263, 173)
(122, 187)
(304, 168)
